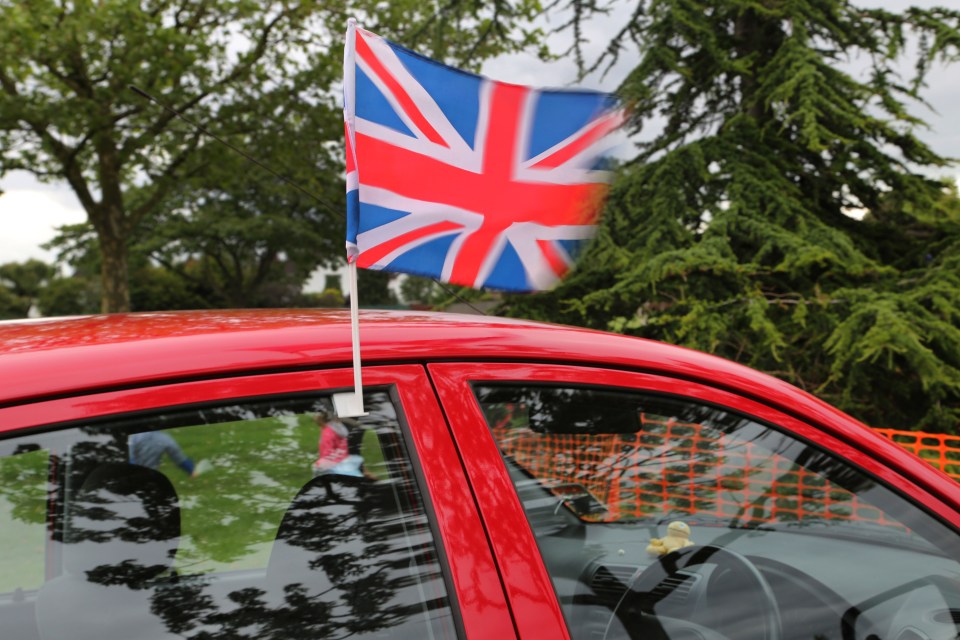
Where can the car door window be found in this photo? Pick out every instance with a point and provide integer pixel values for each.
(660, 517)
(253, 519)
(23, 514)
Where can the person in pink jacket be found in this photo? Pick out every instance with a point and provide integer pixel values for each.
(333, 454)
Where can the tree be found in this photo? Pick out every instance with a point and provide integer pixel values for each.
(419, 290)
(12, 306)
(67, 113)
(75, 295)
(329, 298)
(20, 285)
(784, 216)
(77, 251)
(25, 279)
(373, 289)
(245, 239)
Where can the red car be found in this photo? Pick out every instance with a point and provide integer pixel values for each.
(175, 475)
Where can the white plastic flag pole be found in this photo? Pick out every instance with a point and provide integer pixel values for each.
(350, 405)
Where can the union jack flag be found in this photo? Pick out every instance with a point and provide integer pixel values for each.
(475, 182)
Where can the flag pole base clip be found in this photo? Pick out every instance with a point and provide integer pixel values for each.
(349, 405)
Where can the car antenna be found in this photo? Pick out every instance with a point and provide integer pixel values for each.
(251, 159)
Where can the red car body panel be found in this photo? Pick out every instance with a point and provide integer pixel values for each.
(527, 581)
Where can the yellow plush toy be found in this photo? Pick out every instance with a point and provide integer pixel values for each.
(678, 537)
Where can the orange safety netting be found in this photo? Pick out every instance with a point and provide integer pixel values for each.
(939, 449)
(672, 467)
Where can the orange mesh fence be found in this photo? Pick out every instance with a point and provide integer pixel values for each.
(678, 468)
(939, 449)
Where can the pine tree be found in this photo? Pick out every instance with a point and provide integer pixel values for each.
(785, 216)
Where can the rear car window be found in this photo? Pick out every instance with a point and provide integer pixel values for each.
(259, 519)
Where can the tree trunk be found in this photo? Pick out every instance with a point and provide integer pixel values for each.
(748, 35)
(113, 227)
(114, 276)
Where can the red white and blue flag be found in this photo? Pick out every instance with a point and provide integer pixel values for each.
(457, 177)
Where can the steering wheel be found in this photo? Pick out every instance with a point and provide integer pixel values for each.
(634, 616)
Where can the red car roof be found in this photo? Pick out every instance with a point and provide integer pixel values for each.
(49, 358)
(67, 355)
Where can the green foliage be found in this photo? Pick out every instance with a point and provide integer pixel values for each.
(20, 284)
(12, 306)
(23, 511)
(427, 292)
(420, 290)
(785, 215)
(261, 74)
(240, 249)
(460, 33)
(373, 289)
(25, 278)
(329, 298)
(158, 289)
(69, 297)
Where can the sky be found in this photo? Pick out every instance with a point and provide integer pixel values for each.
(31, 211)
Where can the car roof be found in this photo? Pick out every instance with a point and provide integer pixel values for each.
(56, 356)
(45, 358)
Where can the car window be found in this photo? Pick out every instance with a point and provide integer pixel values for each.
(256, 519)
(23, 511)
(659, 517)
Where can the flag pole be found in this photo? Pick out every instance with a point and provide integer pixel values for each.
(349, 405)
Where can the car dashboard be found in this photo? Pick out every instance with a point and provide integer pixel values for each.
(598, 569)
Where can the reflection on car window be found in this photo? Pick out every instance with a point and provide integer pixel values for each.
(23, 511)
(216, 523)
(664, 518)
